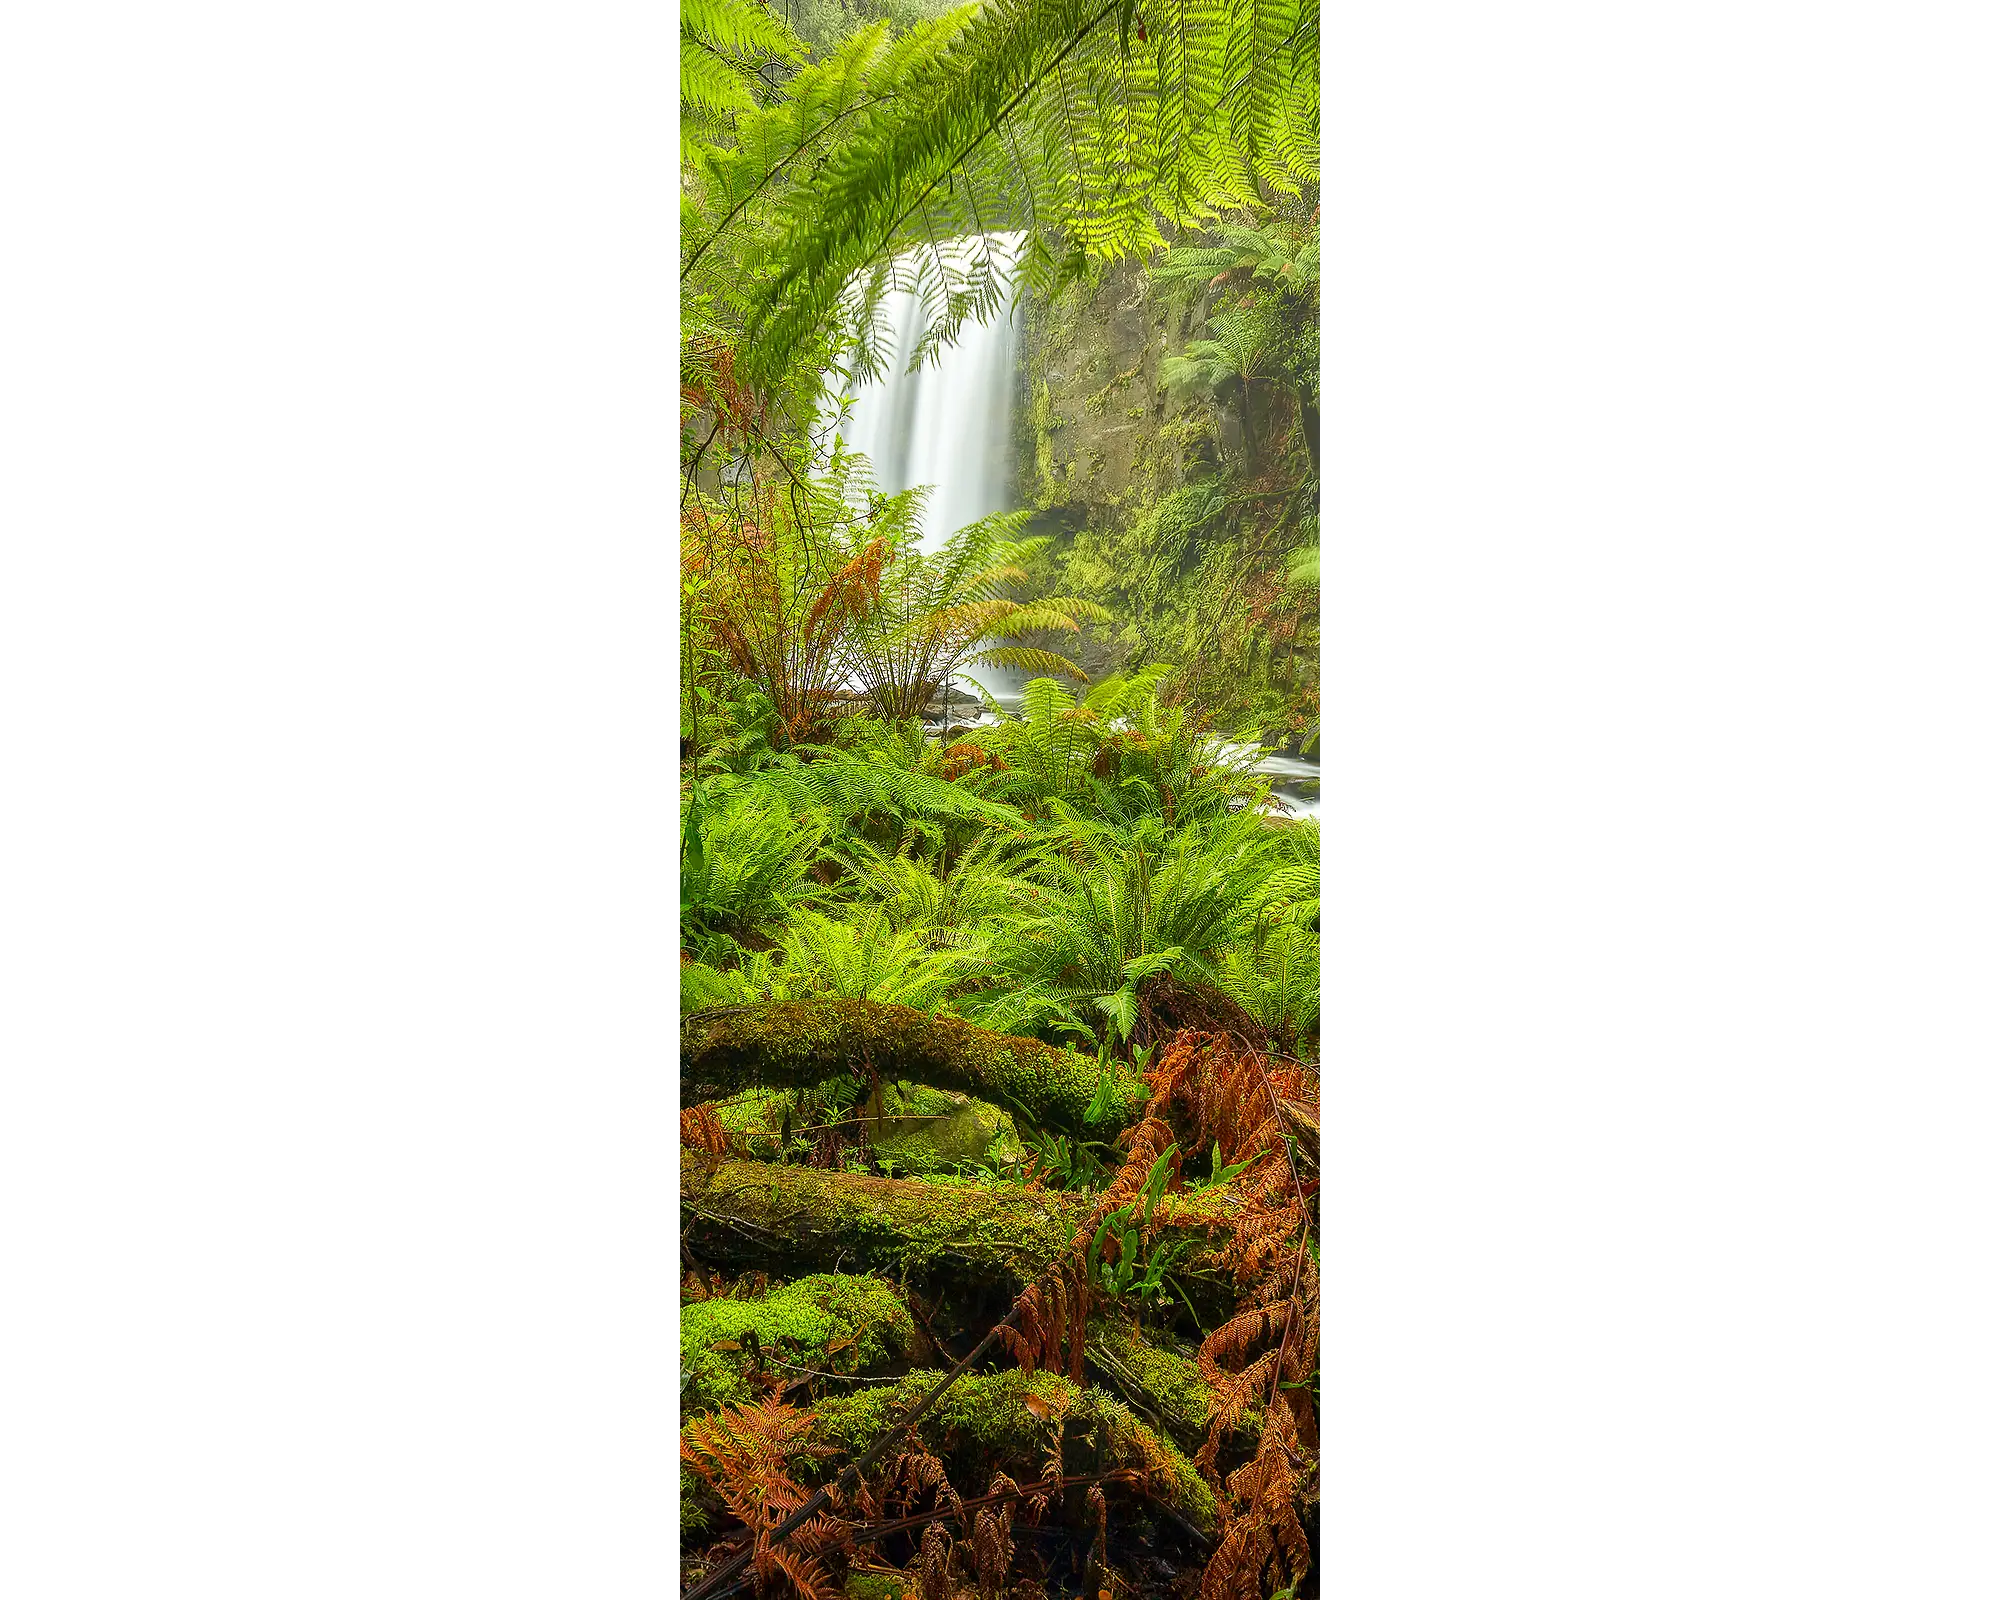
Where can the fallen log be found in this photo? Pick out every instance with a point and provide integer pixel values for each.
(742, 1214)
(791, 1044)
(985, 1426)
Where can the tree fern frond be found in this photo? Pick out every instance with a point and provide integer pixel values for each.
(1112, 146)
(1022, 658)
(742, 28)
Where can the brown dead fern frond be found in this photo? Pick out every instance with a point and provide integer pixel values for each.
(701, 1129)
(993, 1537)
(1261, 1113)
(1100, 1513)
(1263, 1547)
(934, 1565)
(910, 1479)
(744, 1453)
(1048, 1335)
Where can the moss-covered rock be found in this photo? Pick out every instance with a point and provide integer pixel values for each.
(984, 1424)
(792, 1043)
(832, 1322)
(930, 1130)
(876, 1586)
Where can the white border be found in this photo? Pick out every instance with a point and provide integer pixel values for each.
(337, 1134)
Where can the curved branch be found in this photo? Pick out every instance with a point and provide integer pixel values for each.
(788, 1044)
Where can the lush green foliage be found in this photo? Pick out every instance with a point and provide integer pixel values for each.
(1106, 847)
(1103, 867)
(1088, 125)
(745, 856)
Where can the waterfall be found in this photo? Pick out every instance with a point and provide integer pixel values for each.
(949, 424)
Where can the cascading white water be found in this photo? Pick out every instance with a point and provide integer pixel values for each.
(949, 424)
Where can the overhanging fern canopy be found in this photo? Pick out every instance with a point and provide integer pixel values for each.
(1087, 125)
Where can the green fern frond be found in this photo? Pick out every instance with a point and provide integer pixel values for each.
(741, 28)
(1025, 659)
(1036, 119)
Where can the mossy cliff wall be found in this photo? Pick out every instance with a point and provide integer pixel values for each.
(1102, 432)
(1159, 507)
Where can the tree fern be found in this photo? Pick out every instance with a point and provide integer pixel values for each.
(1285, 256)
(868, 958)
(945, 904)
(933, 613)
(1238, 351)
(846, 787)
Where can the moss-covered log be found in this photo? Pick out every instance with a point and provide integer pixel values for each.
(792, 1219)
(796, 1043)
(796, 1219)
(1156, 1374)
(984, 1424)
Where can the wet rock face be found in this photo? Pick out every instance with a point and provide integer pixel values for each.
(1094, 412)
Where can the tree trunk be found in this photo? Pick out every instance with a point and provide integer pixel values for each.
(798, 1043)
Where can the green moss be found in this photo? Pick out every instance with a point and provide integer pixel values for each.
(1043, 423)
(983, 1424)
(795, 1322)
(876, 1586)
(965, 1230)
(965, 1223)
(974, 1231)
(1166, 1374)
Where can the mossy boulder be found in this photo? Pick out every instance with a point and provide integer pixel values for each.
(928, 1130)
(831, 1322)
